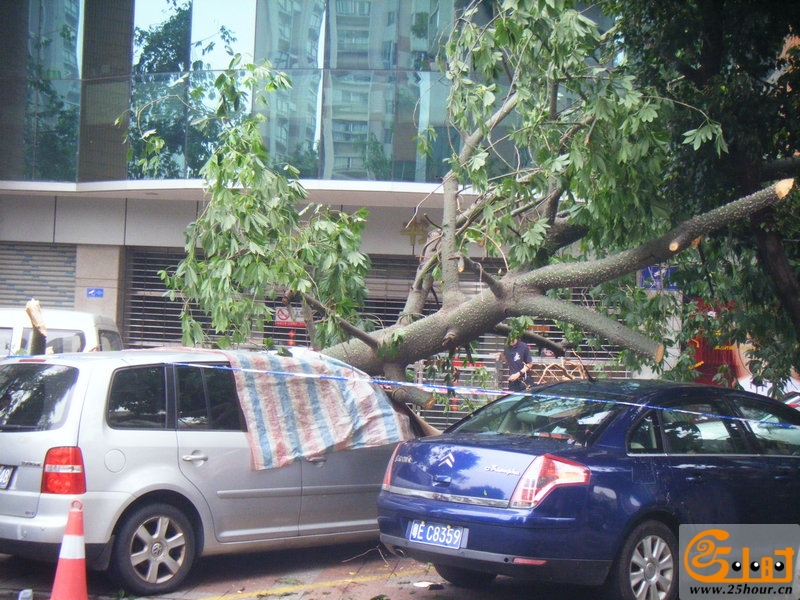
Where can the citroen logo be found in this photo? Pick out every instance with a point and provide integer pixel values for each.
(449, 460)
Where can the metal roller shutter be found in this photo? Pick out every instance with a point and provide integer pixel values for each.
(42, 271)
(150, 318)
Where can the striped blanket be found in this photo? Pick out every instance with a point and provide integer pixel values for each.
(308, 405)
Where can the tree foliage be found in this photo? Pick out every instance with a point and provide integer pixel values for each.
(563, 151)
(737, 62)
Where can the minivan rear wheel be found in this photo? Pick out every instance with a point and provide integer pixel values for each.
(154, 549)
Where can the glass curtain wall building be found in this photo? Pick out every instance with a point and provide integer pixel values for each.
(363, 75)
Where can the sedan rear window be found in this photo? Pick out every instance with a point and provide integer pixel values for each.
(34, 396)
(571, 419)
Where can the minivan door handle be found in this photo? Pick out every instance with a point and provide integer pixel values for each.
(195, 457)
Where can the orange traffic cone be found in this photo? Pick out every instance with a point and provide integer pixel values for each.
(70, 583)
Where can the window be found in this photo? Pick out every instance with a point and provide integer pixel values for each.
(645, 437)
(777, 429)
(5, 340)
(192, 405)
(207, 398)
(57, 341)
(354, 40)
(34, 396)
(389, 54)
(138, 399)
(359, 8)
(701, 427)
(573, 420)
(109, 340)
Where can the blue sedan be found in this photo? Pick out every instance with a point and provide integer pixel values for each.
(587, 483)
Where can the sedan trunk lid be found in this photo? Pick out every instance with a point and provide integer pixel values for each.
(468, 468)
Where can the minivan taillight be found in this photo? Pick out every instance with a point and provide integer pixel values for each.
(63, 471)
(543, 475)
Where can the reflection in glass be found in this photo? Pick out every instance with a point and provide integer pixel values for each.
(34, 396)
(365, 85)
(293, 126)
(52, 107)
(290, 35)
(176, 46)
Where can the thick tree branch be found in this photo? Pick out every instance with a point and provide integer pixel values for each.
(493, 284)
(532, 338)
(406, 394)
(448, 250)
(563, 233)
(655, 251)
(782, 167)
(613, 331)
(773, 258)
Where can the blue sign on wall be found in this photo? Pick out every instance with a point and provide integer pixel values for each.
(94, 292)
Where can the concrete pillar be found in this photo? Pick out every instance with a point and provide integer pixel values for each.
(99, 280)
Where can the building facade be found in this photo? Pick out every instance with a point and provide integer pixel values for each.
(83, 227)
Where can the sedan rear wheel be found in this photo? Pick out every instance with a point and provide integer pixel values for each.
(465, 578)
(647, 568)
(154, 549)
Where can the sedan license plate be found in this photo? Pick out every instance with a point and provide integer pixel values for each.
(5, 476)
(436, 534)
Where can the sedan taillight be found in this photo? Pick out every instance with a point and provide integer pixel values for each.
(387, 476)
(544, 474)
(63, 471)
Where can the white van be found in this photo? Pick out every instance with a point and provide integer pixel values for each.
(67, 331)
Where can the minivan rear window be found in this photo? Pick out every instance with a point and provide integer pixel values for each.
(5, 340)
(58, 340)
(34, 396)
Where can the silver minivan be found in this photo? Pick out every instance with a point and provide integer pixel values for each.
(161, 451)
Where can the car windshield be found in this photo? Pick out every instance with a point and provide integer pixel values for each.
(572, 419)
(34, 396)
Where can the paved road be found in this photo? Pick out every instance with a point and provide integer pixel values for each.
(351, 572)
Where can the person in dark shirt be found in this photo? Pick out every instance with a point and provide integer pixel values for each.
(517, 355)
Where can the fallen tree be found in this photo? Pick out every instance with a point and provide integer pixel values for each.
(519, 294)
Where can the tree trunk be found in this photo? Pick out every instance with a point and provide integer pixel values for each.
(773, 258)
(39, 331)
